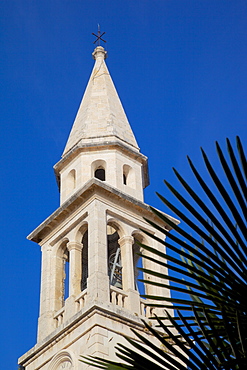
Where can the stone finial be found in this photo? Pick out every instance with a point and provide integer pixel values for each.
(99, 52)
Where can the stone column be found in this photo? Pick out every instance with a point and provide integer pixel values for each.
(126, 243)
(75, 267)
(98, 279)
(128, 279)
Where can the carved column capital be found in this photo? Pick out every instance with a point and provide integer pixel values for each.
(74, 246)
(126, 240)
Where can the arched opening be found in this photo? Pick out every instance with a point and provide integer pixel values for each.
(100, 174)
(138, 263)
(124, 179)
(70, 181)
(84, 261)
(99, 169)
(126, 170)
(114, 257)
(62, 275)
(66, 275)
(128, 176)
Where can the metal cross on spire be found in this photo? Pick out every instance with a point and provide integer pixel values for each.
(98, 36)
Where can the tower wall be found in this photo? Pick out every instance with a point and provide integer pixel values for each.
(121, 171)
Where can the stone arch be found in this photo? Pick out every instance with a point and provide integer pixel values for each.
(99, 169)
(137, 260)
(64, 359)
(84, 274)
(61, 247)
(70, 181)
(114, 254)
(62, 274)
(81, 236)
(79, 232)
(117, 225)
(141, 238)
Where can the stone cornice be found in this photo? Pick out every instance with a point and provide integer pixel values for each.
(99, 146)
(122, 315)
(92, 187)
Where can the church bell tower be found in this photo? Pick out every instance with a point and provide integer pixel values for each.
(89, 292)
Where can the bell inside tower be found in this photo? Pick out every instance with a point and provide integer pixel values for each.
(114, 257)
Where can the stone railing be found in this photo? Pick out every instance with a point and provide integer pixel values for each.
(58, 317)
(146, 311)
(80, 300)
(117, 296)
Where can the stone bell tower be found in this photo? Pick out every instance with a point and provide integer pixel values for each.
(89, 292)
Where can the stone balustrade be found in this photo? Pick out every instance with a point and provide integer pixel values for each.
(81, 300)
(146, 311)
(58, 317)
(117, 296)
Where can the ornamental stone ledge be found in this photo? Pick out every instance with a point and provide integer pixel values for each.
(82, 147)
(93, 186)
(123, 316)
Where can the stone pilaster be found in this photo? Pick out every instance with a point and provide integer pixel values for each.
(75, 267)
(98, 279)
(47, 290)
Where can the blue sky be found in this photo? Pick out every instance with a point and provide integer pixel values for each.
(180, 69)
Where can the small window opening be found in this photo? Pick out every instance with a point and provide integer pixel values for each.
(124, 179)
(128, 176)
(70, 182)
(100, 174)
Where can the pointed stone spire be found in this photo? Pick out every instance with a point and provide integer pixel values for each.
(101, 117)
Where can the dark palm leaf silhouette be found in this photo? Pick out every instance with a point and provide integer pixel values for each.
(209, 270)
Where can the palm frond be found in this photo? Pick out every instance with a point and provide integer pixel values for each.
(208, 272)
